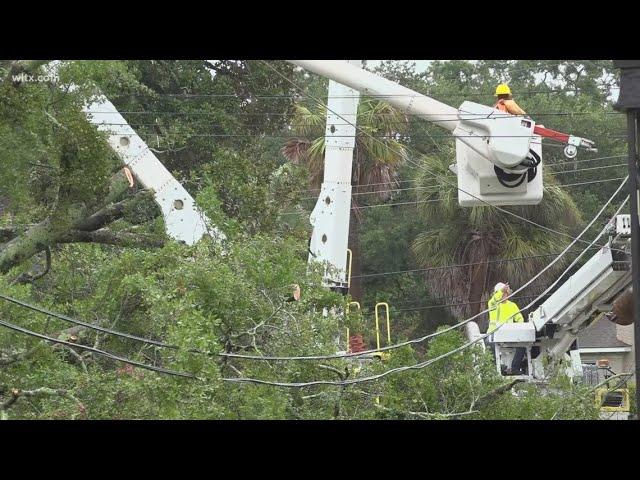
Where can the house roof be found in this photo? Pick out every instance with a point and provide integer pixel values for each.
(601, 334)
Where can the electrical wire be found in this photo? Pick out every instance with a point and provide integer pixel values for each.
(84, 324)
(303, 96)
(461, 265)
(95, 350)
(437, 200)
(392, 136)
(425, 187)
(417, 181)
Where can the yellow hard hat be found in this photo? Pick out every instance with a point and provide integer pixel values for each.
(503, 89)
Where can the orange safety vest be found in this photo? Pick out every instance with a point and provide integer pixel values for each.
(501, 106)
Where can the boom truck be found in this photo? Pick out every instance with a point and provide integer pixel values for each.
(498, 162)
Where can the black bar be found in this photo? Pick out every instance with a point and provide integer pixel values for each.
(632, 132)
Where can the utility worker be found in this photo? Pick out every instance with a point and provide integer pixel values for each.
(502, 310)
(505, 102)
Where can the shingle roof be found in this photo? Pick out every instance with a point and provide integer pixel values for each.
(600, 334)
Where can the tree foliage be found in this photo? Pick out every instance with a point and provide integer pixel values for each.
(75, 239)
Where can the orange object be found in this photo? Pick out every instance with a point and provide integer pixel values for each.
(509, 106)
(129, 176)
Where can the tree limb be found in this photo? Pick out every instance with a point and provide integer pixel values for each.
(75, 355)
(108, 214)
(16, 394)
(8, 359)
(29, 278)
(108, 237)
(8, 233)
(498, 391)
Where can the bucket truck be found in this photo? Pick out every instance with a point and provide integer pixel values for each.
(585, 297)
(498, 162)
(498, 156)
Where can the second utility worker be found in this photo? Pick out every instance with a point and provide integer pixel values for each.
(505, 102)
(502, 310)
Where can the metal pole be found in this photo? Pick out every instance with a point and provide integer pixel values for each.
(632, 135)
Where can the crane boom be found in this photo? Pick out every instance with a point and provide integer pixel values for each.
(369, 83)
(184, 221)
(486, 138)
(330, 217)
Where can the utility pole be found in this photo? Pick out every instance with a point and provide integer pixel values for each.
(629, 102)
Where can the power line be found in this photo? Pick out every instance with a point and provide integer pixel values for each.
(391, 136)
(426, 187)
(403, 122)
(368, 95)
(84, 324)
(586, 183)
(438, 200)
(443, 298)
(429, 307)
(95, 350)
(461, 265)
(417, 181)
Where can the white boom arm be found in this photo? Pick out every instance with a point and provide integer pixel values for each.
(505, 152)
(331, 215)
(184, 221)
(486, 138)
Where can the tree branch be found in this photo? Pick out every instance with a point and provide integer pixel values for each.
(8, 233)
(498, 391)
(108, 237)
(16, 394)
(29, 278)
(108, 214)
(75, 355)
(8, 359)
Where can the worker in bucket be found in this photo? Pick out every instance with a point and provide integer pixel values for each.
(502, 310)
(505, 102)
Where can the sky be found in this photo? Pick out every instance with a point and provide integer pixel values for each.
(421, 65)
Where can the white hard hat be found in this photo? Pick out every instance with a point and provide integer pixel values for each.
(499, 286)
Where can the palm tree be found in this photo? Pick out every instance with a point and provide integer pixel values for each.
(378, 154)
(481, 235)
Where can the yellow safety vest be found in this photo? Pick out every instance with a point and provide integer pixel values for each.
(502, 311)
